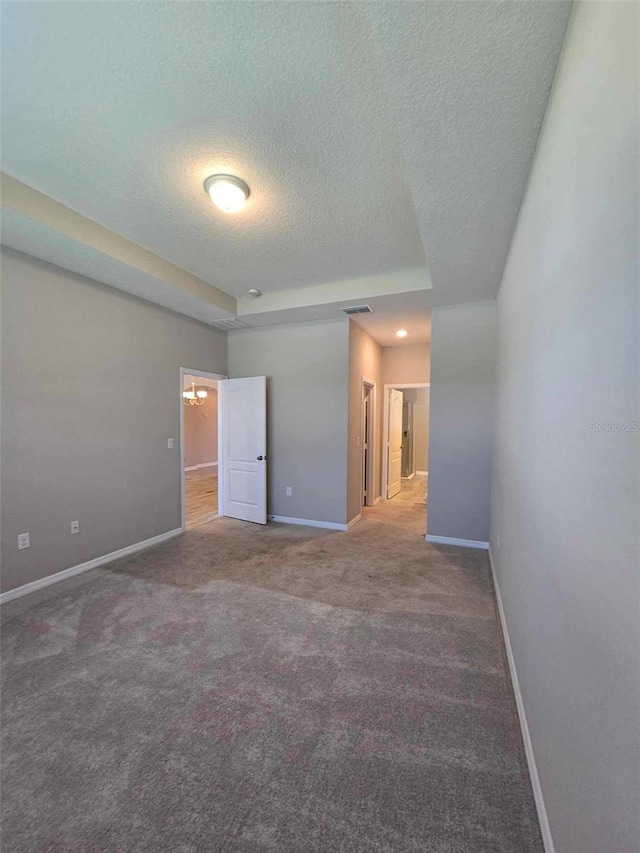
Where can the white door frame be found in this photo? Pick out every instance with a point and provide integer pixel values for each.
(385, 427)
(187, 371)
(371, 455)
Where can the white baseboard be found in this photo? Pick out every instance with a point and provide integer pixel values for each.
(309, 522)
(377, 500)
(545, 829)
(354, 521)
(202, 465)
(410, 477)
(422, 473)
(41, 583)
(461, 543)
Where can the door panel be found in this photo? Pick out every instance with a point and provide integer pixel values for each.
(395, 443)
(244, 446)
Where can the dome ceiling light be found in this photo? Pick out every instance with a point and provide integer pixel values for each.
(402, 333)
(227, 192)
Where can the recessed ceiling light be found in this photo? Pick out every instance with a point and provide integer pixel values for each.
(401, 333)
(227, 192)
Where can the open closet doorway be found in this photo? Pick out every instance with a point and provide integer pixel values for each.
(405, 462)
(199, 445)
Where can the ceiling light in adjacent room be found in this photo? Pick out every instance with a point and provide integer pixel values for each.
(227, 192)
(254, 292)
(401, 333)
(191, 397)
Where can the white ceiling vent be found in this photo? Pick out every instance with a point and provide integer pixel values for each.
(358, 309)
(229, 323)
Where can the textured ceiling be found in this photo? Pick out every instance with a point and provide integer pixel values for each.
(378, 139)
(120, 111)
(33, 238)
(390, 312)
(471, 81)
(410, 312)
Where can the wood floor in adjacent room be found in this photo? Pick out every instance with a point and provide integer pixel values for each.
(201, 496)
(266, 689)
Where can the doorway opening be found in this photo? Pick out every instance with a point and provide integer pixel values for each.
(199, 446)
(368, 434)
(405, 474)
(223, 446)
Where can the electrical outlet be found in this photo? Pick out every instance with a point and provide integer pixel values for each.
(75, 527)
(498, 540)
(288, 491)
(23, 541)
(169, 444)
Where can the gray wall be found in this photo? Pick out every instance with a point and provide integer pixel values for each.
(405, 363)
(90, 394)
(462, 407)
(306, 366)
(565, 496)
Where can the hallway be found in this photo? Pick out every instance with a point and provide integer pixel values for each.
(273, 688)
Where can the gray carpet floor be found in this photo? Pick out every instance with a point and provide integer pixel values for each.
(282, 689)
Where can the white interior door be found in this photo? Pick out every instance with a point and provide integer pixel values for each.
(394, 466)
(243, 448)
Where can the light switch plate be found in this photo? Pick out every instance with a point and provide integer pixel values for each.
(75, 527)
(23, 541)
(169, 444)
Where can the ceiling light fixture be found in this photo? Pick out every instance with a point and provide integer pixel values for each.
(227, 192)
(254, 292)
(191, 397)
(402, 333)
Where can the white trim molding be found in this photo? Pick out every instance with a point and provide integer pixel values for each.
(461, 543)
(422, 473)
(309, 522)
(41, 583)
(354, 521)
(543, 818)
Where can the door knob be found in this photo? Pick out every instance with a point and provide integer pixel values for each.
(260, 458)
